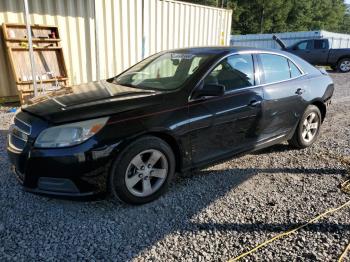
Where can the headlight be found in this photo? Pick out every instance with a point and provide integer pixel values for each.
(70, 134)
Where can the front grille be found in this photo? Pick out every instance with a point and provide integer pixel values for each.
(19, 133)
(23, 126)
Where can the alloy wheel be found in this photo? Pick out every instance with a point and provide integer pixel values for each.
(146, 173)
(345, 66)
(310, 127)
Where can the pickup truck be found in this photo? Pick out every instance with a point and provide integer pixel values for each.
(317, 52)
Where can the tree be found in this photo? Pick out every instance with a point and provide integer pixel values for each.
(345, 24)
(271, 16)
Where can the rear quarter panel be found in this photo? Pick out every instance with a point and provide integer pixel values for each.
(320, 88)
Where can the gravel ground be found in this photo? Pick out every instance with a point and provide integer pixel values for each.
(214, 214)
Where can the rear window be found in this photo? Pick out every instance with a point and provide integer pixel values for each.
(294, 70)
(275, 68)
(320, 44)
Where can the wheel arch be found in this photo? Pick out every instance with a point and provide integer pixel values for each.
(165, 136)
(173, 143)
(322, 107)
(342, 57)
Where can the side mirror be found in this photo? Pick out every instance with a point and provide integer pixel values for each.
(209, 90)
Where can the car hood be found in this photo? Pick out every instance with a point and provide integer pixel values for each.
(90, 100)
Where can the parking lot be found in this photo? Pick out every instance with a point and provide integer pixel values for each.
(212, 214)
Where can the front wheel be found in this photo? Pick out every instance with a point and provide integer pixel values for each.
(344, 65)
(308, 128)
(142, 171)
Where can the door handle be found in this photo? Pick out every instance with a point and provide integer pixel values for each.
(300, 91)
(254, 103)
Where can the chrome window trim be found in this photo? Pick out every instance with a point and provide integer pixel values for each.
(251, 52)
(21, 138)
(26, 124)
(21, 130)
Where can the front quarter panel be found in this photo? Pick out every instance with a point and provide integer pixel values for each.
(167, 119)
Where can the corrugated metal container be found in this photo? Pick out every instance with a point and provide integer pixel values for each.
(101, 38)
(265, 40)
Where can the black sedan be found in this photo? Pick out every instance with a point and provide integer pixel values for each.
(174, 111)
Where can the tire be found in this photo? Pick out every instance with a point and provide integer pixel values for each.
(344, 65)
(142, 171)
(308, 128)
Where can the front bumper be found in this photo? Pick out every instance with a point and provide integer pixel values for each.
(72, 172)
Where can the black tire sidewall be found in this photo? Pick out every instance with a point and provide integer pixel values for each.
(117, 185)
(308, 111)
(339, 63)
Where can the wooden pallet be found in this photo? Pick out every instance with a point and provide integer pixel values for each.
(50, 66)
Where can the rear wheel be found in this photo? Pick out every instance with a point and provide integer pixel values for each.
(142, 171)
(308, 128)
(344, 65)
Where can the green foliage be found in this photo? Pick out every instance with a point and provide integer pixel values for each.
(345, 24)
(271, 16)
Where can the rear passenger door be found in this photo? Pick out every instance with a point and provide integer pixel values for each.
(283, 95)
(319, 53)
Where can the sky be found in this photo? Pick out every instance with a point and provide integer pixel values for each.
(347, 1)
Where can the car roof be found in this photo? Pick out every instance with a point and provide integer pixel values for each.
(225, 50)
(220, 51)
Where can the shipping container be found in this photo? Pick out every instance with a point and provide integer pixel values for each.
(101, 38)
(265, 40)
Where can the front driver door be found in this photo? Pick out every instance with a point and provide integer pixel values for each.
(303, 49)
(226, 124)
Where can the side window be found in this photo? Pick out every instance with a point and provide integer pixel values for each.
(294, 71)
(275, 68)
(304, 45)
(320, 44)
(233, 72)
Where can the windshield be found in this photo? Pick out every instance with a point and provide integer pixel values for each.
(164, 72)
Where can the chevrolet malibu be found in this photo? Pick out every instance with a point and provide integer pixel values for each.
(174, 111)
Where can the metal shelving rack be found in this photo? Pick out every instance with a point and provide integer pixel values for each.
(51, 72)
